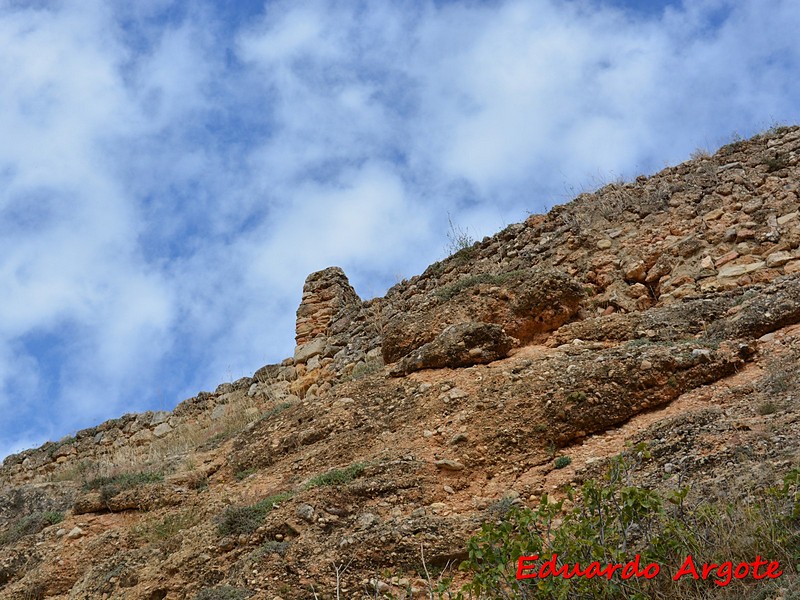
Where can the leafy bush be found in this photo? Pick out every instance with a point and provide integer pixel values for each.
(238, 520)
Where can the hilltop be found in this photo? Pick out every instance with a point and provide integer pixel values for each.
(660, 314)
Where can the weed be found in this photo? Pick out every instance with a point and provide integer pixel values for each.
(337, 476)
(458, 239)
(448, 291)
(238, 520)
(30, 525)
(271, 547)
(168, 526)
(576, 396)
(244, 473)
(777, 163)
(562, 461)
(111, 486)
(276, 410)
(767, 408)
(612, 520)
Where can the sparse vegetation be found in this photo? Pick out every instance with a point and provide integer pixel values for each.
(168, 526)
(576, 396)
(776, 163)
(458, 238)
(113, 485)
(767, 408)
(449, 291)
(238, 520)
(244, 473)
(30, 525)
(271, 547)
(337, 476)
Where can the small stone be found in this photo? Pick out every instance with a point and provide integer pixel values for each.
(427, 433)
(458, 438)
(61, 532)
(604, 244)
(75, 533)
(368, 520)
(778, 259)
(738, 270)
(636, 272)
(457, 393)
(707, 263)
(792, 267)
(646, 364)
(704, 353)
(448, 489)
(448, 464)
(306, 512)
(787, 217)
(162, 430)
(726, 258)
(713, 215)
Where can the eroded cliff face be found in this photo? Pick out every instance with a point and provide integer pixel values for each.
(664, 310)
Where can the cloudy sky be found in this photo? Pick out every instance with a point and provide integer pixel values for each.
(170, 172)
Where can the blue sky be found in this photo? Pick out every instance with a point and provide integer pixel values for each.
(170, 172)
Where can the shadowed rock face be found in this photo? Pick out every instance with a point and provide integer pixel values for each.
(460, 345)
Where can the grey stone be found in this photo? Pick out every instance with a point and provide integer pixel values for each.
(313, 348)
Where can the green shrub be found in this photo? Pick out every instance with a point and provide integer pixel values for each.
(238, 520)
(562, 461)
(337, 476)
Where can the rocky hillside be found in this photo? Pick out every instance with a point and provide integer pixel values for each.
(664, 311)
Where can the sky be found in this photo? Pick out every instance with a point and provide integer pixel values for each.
(170, 172)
